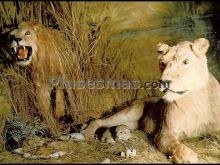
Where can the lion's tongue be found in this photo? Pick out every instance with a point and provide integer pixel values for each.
(22, 52)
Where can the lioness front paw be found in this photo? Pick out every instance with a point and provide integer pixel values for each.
(107, 137)
(183, 154)
(89, 132)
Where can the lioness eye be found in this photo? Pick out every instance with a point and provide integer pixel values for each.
(186, 61)
(27, 33)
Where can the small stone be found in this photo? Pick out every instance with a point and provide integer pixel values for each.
(77, 136)
(122, 154)
(57, 154)
(18, 150)
(106, 160)
(72, 136)
(128, 152)
(134, 152)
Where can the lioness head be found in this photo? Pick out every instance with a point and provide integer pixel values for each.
(24, 43)
(184, 67)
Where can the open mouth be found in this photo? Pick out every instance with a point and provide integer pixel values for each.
(21, 53)
(178, 92)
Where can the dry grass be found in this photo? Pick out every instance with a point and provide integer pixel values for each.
(207, 149)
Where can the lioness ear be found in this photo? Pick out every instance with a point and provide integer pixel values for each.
(162, 48)
(200, 46)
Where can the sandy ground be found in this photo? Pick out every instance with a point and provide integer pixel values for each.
(208, 149)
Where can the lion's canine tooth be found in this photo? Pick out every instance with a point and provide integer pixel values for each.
(15, 49)
(25, 55)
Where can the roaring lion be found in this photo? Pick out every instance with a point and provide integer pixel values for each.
(44, 52)
(189, 107)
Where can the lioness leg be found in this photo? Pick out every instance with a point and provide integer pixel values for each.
(128, 116)
(170, 145)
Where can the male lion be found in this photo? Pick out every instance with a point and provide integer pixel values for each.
(45, 52)
(190, 105)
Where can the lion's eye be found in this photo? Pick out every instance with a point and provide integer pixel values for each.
(186, 61)
(27, 33)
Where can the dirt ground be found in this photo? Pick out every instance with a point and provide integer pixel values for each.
(208, 149)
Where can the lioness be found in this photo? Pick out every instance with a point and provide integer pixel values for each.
(190, 105)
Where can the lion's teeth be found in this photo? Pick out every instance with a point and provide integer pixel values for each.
(15, 49)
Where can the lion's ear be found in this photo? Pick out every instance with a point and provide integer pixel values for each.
(37, 26)
(162, 48)
(200, 46)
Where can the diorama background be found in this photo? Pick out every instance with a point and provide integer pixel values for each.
(125, 36)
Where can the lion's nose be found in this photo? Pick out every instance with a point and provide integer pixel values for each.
(164, 84)
(16, 39)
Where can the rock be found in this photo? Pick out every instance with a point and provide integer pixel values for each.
(72, 136)
(134, 152)
(128, 152)
(122, 154)
(106, 160)
(18, 151)
(77, 136)
(57, 154)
